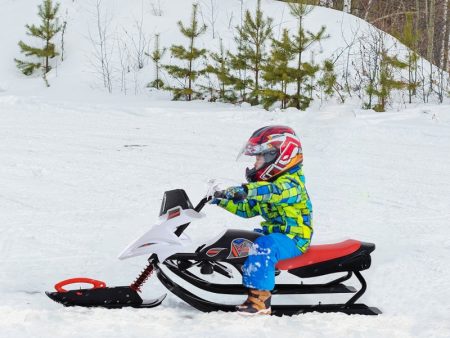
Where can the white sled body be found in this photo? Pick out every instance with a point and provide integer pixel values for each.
(161, 238)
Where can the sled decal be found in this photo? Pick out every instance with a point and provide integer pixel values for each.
(174, 213)
(214, 252)
(240, 247)
(146, 244)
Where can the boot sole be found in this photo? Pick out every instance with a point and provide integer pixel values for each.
(260, 312)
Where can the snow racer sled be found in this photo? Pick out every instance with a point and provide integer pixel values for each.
(164, 243)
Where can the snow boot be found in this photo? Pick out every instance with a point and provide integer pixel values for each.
(257, 303)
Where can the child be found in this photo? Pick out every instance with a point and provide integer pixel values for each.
(276, 191)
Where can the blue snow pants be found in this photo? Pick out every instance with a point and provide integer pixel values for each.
(259, 268)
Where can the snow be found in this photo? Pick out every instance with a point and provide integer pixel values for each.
(82, 174)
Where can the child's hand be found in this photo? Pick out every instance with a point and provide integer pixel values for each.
(214, 201)
(233, 193)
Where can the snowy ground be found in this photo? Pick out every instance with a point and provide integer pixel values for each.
(79, 181)
(82, 174)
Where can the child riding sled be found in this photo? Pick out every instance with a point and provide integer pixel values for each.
(276, 191)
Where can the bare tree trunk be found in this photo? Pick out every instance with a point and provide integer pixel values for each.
(258, 46)
(430, 29)
(191, 48)
(325, 3)
(445, 46)
(299, 65)
(430, 40)
(125, 61)
(355, 7)
(63, 31)
(347, 6)
(211, 17)
(102, 50)
(417, 24)
(443, 55)
(338, 4)
(369, 5)
(101, 43)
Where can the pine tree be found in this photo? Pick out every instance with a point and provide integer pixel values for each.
(302, 41)
(46, 31)
(386, 81)
(220, 68)
(278, 73)
(410, 37)
(251, 55)
(156, 57)
(187, 75)
(328, 81)
(240, 82)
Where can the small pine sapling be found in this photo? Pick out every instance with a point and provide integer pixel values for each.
(156, 56)
(328, 81)
(302, 41)
(387, 81)
(187, 75)
(220, 68)
(46, 31)
(278, 73)
(252, 37)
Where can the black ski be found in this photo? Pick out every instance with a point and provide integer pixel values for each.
(111, 298)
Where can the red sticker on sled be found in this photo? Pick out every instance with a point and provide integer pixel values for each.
(214, 251)
(174, 213)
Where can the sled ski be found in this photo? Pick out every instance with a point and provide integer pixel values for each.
(111, 298)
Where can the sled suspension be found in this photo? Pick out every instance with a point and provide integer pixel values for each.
(142, 278)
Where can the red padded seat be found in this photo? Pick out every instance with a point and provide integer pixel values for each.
(320, 253)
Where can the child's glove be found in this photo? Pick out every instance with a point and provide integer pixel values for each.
(235, 194)
(214, 201)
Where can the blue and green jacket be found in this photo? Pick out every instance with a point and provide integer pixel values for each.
(283, 203)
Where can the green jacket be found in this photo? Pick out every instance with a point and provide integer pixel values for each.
(284, 204)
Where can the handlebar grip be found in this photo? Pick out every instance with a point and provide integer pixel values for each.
(220, 194)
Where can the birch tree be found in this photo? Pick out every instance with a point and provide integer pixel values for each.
(347, 6)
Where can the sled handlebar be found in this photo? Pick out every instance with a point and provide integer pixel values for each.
(202, 203)
(198, 208)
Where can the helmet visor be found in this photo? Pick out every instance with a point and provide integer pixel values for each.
(249, 150)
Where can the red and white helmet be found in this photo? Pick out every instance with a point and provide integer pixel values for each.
(280, 147)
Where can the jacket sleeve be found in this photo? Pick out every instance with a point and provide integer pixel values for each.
(276, 192)
(245, 208)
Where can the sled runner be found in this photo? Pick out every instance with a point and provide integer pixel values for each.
(165, 241)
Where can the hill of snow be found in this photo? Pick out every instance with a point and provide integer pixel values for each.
(82, 174)
(122, 21)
